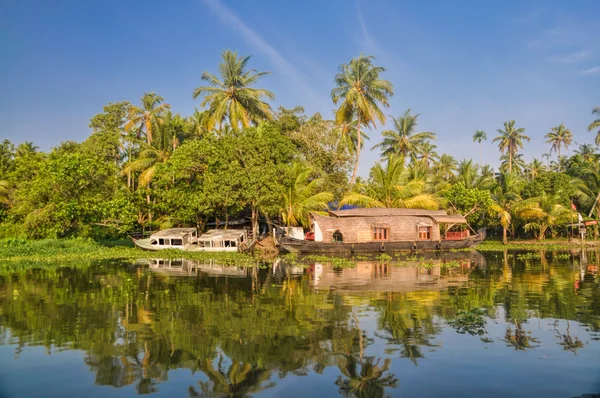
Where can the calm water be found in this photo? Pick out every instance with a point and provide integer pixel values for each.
(500, 324)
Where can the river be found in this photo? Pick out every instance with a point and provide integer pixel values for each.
(464, 324)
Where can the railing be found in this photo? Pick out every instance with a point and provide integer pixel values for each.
(457, 235)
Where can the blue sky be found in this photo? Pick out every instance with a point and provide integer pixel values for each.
(464, 65)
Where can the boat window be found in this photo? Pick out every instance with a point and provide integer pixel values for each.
(380, 233)
(153, 242)
(424, 232)
(233, 243)
(176, 242)
(164, 242)
(337, 236)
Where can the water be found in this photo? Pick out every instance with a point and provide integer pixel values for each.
(493, 324)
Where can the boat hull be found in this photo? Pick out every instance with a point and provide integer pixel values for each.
(144, 244)
(292, 245)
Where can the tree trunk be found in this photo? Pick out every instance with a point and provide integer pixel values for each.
(254, 220)
(504, 240)
(509, 162)
(358, 142)
(149, 209)
(226, 217)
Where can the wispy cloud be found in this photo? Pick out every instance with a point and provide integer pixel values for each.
(254, 39)
(572, 58)
(591, 71)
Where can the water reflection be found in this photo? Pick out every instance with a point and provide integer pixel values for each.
(242, 332)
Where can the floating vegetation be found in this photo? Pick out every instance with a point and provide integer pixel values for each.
(336, 262)
(79, 249)
(384, 257)
(471, 322)
(529, 256)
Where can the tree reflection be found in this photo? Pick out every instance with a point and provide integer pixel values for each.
(520, 339)
(238, 380)
(568, 342)
(364, 378)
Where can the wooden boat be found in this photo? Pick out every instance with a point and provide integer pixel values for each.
(186, 239)
(382, 230)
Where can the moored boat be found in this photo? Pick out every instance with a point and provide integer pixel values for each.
(381, 230)
(187, 239)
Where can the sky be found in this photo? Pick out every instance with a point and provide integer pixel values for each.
(464, 65)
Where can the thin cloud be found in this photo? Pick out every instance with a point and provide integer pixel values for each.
(591, 71)
(572, 58)
(255, 40)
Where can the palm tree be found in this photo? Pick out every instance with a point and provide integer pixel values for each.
(302, 196)
(146, 119)
(445, 167)
(546, 213)
(394, 186)
(232, 97)
(198, 123)
(559, 136)
(587, 188)
(505, 198)
(428, 155)
(518, 163)
(510, 140)
(596, 124)
(478, 137)
(360, 91)
(26, 148)
(472, 176)
(533, 169)
(403, 140)
(4, 188)
(586, 151)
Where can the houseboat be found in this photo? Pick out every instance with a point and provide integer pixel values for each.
(187, 239)
(379, 230)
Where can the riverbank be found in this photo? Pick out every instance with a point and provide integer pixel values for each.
(546, 244)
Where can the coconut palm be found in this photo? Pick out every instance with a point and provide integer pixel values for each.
(302, 196)
(146, 119)
(505, 199)
(596, 124)
(403, 140)
(587, 188)
(587, 152)
(471, 175)
(393, 185)
(533, 169)
(4, 187)
(510, 140)
(478, 137)
(445, 167)
(518, 163)
(427, 155)
(360, 92)
(546, 214)
(198, 123)
(25, 149)
(348, 136)
(232, 97)
(559, 136)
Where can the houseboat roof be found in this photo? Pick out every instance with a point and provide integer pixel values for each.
(221, 234)
(386, 212)
(173, 232)
(439, 216)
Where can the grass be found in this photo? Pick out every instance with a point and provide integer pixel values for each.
(78, 249)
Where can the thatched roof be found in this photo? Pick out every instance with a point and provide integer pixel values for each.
(386, 212)
(450, 219)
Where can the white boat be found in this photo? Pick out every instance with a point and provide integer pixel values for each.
(187, 239)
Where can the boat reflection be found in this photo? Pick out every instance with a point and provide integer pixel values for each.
(434, 273)
(185, 267)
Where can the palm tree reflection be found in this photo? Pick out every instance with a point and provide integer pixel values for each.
(364, 378)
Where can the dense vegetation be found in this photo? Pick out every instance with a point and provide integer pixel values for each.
(145, 167)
